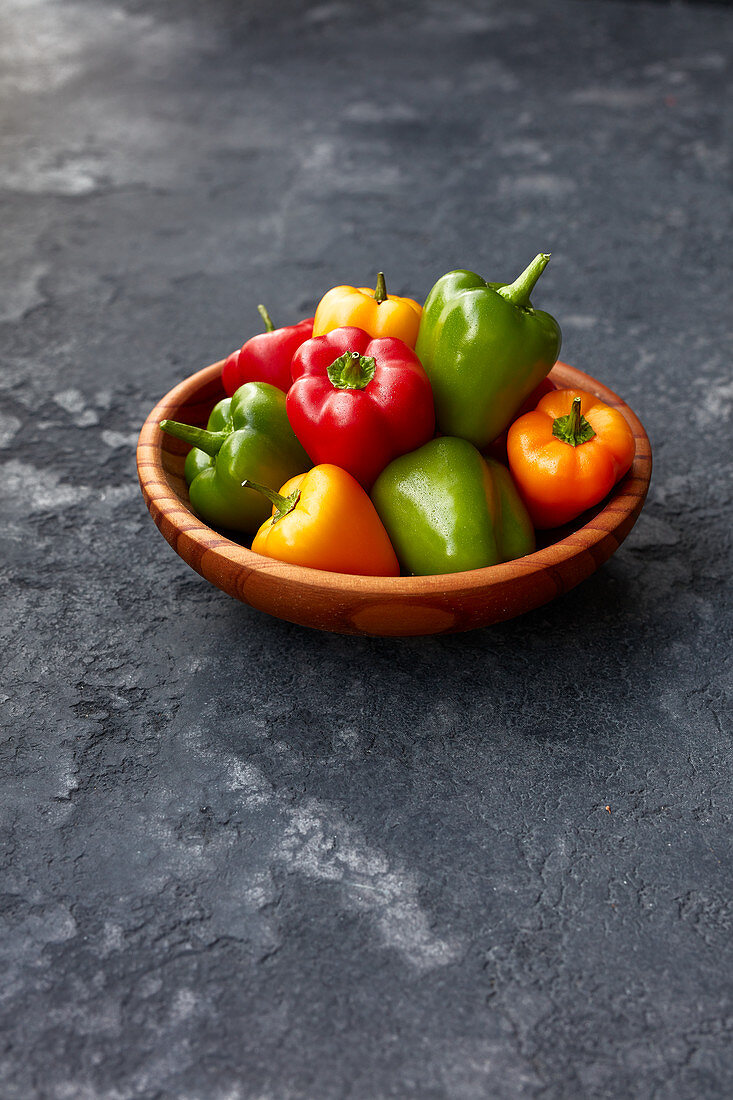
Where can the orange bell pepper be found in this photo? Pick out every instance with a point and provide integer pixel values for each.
(325, 520)
(568, 454)
(373, 311)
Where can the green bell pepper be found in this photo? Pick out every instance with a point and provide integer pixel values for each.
(484, 349)
(446, 509)
(248, 437)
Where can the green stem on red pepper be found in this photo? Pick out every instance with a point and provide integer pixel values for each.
(352, 371)
(269, 323)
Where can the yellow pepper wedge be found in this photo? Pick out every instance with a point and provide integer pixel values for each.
(373, 311)
(325, 520)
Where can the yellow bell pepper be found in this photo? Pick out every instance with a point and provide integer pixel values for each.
(373, 311)
(325, 520)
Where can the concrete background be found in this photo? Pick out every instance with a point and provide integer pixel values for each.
(246, 861)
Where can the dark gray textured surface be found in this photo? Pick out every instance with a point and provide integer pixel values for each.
(245, 861)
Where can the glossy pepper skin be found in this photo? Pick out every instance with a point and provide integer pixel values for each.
(497, 448)
(484, 348)
(248, 435)
(373, 311)
(323, 519)
(357, 402)
(568, 454)
(266, 357)
(446, 509)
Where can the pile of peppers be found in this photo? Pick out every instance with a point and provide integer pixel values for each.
(382, 437)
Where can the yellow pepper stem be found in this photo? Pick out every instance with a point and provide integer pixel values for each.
(380, 291)
(284, 505)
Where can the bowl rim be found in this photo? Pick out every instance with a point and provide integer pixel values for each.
(624, 501)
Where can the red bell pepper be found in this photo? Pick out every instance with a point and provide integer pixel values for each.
(358, 403)
(267, 356)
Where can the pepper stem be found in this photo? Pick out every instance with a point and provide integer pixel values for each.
(352, 371)
(269, 325)
(574, 421)
(207, 441)
(573, 428)
(380, 291)
(519, 291)
(284, 505)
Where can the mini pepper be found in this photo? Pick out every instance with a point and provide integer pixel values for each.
(484, 348)
(568, 454)
(374, 311)
(323, 519)
(248, 434)
(447, 509)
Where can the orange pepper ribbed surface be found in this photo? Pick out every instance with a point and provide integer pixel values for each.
(559, 478)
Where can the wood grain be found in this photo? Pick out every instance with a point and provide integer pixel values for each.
(397, 606)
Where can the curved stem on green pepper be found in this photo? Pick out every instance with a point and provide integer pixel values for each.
(210, 442)
(519, 291)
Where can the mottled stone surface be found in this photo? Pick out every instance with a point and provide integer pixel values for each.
(246, 861)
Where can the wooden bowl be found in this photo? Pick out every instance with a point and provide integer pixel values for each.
(383, 606)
